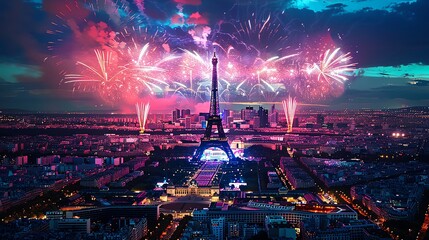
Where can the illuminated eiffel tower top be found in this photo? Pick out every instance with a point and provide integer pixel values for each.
(214, 99)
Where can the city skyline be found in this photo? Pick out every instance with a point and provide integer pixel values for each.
(386, 41)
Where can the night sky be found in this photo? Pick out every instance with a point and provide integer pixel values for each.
(44, 42)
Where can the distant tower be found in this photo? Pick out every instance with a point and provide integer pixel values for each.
(209, 140)
(320, 119)
(263, 117)
(176, 115)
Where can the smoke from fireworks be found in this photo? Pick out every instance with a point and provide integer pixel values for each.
(142, 113)
(289, 107)
(135, 66)
(257, 59)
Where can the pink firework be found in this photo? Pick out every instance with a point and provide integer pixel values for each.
(326, 77)
(105, 77)
(142, 113)
(334, 66)
(289, 107)
(147, 58)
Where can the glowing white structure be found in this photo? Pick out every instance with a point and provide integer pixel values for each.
(142, 113)
(289, 107)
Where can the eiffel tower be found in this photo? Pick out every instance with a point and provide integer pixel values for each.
(209, 141)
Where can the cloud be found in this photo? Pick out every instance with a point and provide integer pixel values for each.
(197, 19)
(200, 35)
(337, 7)
(64, 8)
(383, 93)
(35, 96)
(159, 10)
(386, 38)
(377, 33)
(202, 107)
(347, 5)
(188, 2)
(177, 20)
(411, 71)
(167, 104)
(10, 72)
(102, 34)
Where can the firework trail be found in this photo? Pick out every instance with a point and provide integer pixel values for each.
(142, 113)
(289, 107)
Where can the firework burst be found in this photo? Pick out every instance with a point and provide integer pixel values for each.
(105, 77)
(265, 70)
(147, 59)
(257, 59)
(334, 66)
(263, 34)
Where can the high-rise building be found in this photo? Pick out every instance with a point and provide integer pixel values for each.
(205, 115)
(250, 230)
(150, 212)
(225, 115)
(263, 117)
(218, 227)
(295, 122)
(176, 115)
(48, 160)
(247, 114)
(233, 229)
(187, 122)
(256, 122)
(320, 119)
(74, 225)
(185, 113)
(21, 160)
(274, 118)
(292, 214)
(138, 228)
(229, 121)
(278, 228)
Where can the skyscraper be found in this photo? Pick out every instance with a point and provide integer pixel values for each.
(247, 114)
(320, 119)
(225, 114)
(187, 122)
(185, 113)
(233, 229)
(256, 122)
(218, 227)
(176, 115)
(263, 117)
